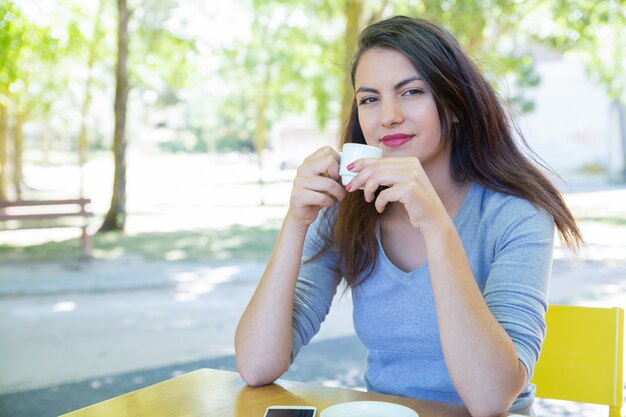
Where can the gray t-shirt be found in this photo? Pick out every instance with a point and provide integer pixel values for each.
(509, 245)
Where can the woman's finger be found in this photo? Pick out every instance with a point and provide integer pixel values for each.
(305, 197)
(325, 165)
(325, 150)
(384, 197)
(384, 163)
(322, 184)
(398, 193)
(387, 178)
(321, 153)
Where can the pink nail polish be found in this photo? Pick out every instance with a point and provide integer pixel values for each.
(349, 187)
(349, 167)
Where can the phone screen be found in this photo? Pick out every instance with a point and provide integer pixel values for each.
(289, 412)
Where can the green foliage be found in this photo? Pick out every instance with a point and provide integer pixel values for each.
(596, 31)
(288, 57)
(288, 65)
(34, 71)
(12, 31)
(34, 43)
(492, 33)
(161, 54)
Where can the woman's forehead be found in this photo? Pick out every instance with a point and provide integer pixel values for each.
(384, 66)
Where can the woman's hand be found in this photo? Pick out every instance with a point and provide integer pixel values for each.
(315, 186)
(406, 183)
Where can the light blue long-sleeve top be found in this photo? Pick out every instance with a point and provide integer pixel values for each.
(509, 245)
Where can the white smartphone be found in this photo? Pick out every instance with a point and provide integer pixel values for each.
(290, 411)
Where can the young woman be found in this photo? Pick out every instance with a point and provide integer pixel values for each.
(447, 249)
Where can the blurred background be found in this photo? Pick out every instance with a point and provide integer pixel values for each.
(183, 122)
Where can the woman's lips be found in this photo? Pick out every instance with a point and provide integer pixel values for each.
(397, 139)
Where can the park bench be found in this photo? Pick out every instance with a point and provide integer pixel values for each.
(33, 214)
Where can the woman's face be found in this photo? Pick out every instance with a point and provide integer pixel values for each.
(397, 111)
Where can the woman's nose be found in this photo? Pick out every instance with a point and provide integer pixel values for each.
(390, 113)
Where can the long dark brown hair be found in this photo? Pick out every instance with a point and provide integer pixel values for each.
(482, 146)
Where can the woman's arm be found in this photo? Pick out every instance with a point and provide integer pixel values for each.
(479, 353)
(263, 338)
(492, 339)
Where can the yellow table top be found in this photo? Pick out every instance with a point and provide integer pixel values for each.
(216, 393)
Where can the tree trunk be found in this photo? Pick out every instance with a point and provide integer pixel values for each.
(4, 151)
(354, 14)
(18, 153)
(116, 216)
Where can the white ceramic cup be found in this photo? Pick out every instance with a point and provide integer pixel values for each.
(350, 153)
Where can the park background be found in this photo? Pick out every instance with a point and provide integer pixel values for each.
(183, 122)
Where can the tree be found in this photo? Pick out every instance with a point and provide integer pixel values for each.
(354, 25)
(115, 218)
(289, 64)
(12, 28)
(27, 47)
(279, 56)
(35, 77)
(159, 54)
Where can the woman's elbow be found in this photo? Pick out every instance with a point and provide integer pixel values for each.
(256, 379)
(496, 400)
(259, 375)
(484, 411)
(493, 407)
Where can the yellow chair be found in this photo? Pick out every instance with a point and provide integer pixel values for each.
(581, 358)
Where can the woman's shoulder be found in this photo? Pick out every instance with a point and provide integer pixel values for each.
(502, 208)
(497, 201)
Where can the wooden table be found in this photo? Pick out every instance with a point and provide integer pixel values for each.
(215, 393)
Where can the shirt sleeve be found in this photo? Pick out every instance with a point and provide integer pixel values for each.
(516, 290)
(316, 286)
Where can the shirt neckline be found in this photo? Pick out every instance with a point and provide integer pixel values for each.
(457, 220)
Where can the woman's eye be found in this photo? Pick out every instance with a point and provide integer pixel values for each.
(367, 100)
(412, 92)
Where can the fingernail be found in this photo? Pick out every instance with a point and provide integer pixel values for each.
(349, 167)
(349, 187)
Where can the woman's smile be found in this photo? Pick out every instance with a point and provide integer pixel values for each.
(396, 139)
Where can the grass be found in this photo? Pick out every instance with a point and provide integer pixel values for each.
(239, 243)
(236, 243)
(613, 221)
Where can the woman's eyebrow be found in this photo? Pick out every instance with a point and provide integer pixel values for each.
(366, 90)
(395, 87)
(405, 82)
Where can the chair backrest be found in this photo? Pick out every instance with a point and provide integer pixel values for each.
(581, 358)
